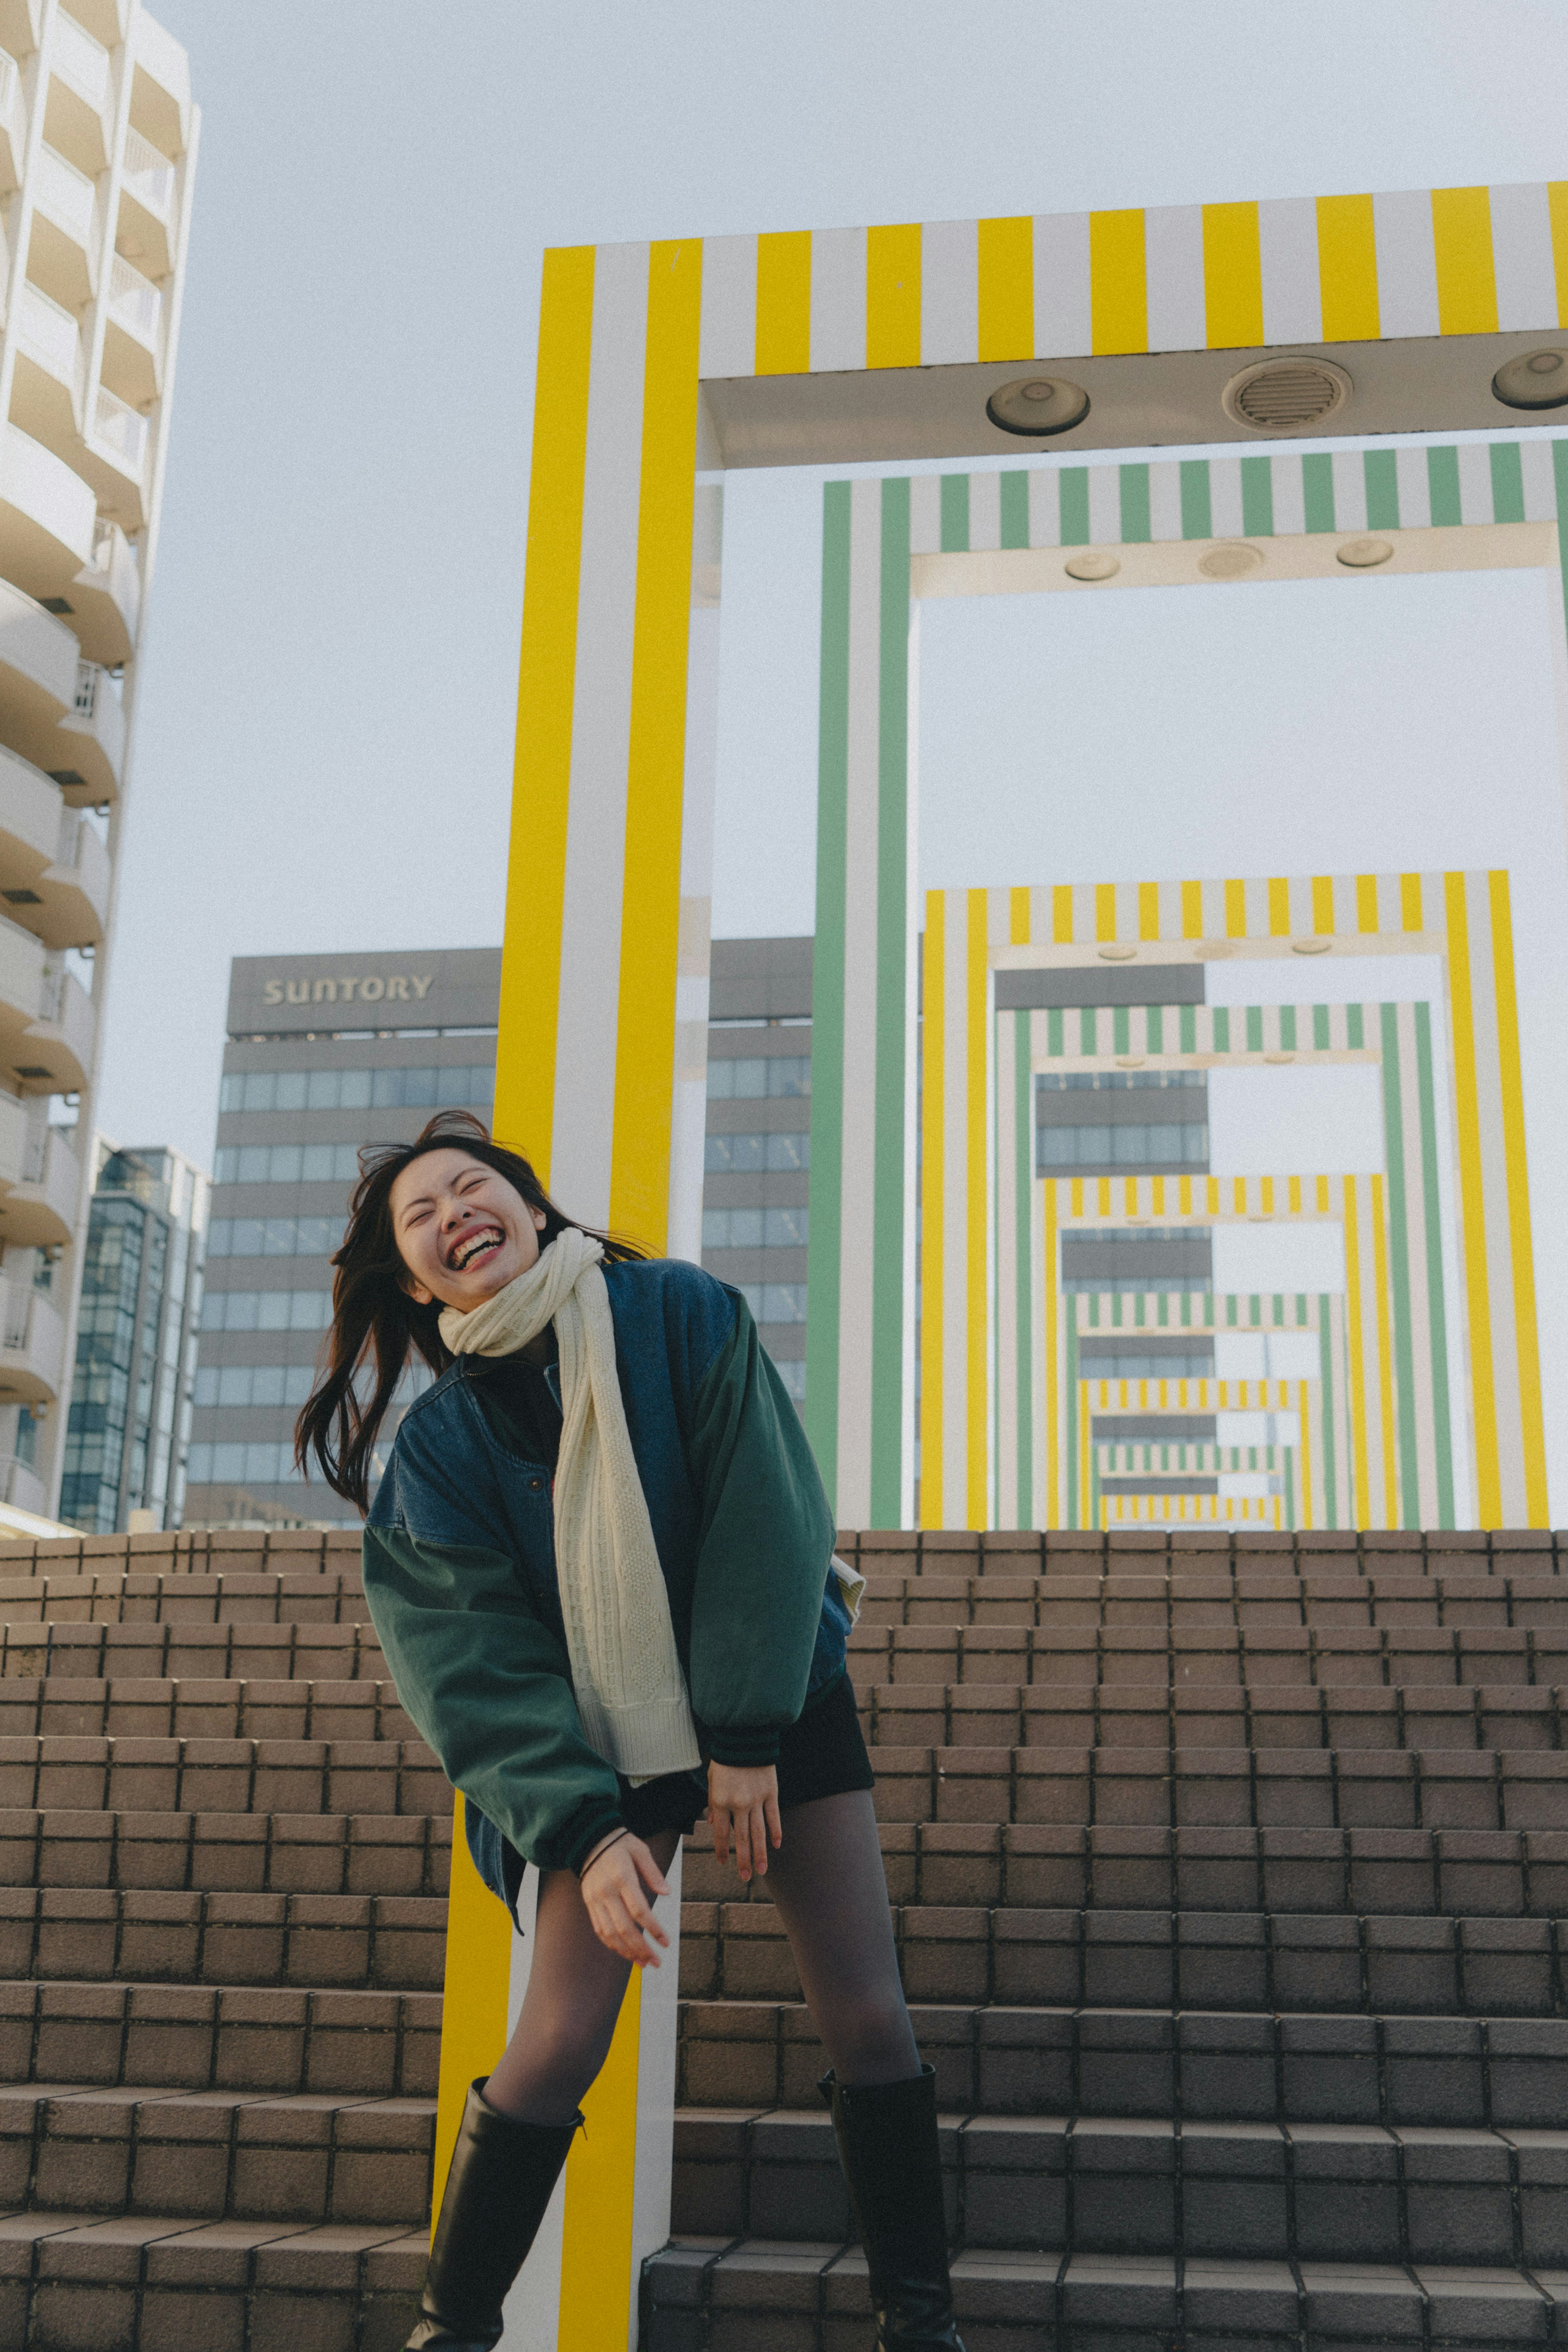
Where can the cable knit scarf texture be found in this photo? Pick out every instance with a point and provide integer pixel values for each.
(626, 1672)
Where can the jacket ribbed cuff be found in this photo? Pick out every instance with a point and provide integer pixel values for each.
(743, 1743)
(605, 1825)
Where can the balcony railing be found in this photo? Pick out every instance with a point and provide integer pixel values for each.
(50, 334)
(122, 429)
(80, 60)
(52, 992)
(35, 1150)
(134, 302)
(66, 194)
(149, 177)
(90, 685)
(18, 1314)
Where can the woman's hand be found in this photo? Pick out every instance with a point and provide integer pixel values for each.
(742, 1805)
(622, 1915)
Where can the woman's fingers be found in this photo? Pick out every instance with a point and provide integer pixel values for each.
(719, 1817)
(774, 1827)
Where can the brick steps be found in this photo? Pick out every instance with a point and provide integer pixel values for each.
(1210, 1715)
(79, 1707)
(174, 1650)
(222, 2038)
(310, 1595)
(391, 1942)
(385, 1775)
(1331, 1656)
(233, 1852)
(1183, 1599)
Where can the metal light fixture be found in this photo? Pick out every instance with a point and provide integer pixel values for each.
(1534, 380)
(1310, 947)
(1229, 559)
(1092, 565)
(1361, 554)
(1038, 406)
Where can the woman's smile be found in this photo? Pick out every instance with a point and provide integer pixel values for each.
(469, 1248)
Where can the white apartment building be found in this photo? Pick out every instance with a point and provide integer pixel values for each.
(98, 144)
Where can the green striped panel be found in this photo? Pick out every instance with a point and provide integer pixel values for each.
(890, 1203)
(822, 1269)
(954, 514)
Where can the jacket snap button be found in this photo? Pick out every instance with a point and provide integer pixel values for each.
(536, 1483)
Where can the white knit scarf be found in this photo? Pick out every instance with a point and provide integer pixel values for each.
(631, 1693)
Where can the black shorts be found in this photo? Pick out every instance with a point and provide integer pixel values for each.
(823, 1754)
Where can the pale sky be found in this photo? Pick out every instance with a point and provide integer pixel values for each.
(328, 700)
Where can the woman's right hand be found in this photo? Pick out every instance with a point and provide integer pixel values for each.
(622, 1915)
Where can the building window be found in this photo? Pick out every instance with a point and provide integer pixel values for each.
(1197, 1366)
(756, 1077)
(755, 1228)
(751, 1155)
(1179, 1143)
(274, 1236)
(287, 1163)
(266, 1310)
(267, 1464)
(775, 1302)
(467, 1086)
(793, 1376)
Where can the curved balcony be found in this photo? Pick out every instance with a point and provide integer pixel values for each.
(133, 336)
(46, 397)
(12, 120)
(48, 518)
(54, 869)
(146, 228)
(40, 1210)
(54, 1053)
(32, 1346)
(77, 111)
(86, 749)
(103, 603)
(112, 454)
(64, 242)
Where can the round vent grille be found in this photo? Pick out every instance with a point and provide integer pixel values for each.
(1286, 396)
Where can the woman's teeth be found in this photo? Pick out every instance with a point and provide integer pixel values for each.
(474, 1250)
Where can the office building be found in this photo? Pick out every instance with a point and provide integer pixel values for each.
(130, 1393)
(98, 140)
(324, 1054)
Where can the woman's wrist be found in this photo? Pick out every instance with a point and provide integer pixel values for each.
(603, 1846)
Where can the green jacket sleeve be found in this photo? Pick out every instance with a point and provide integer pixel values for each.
(766, 1542)
(490, 1688)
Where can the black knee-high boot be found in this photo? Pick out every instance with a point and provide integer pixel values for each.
(887, 2145)
(502, 2177)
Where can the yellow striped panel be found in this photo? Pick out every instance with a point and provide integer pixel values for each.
(1157, 1195)
(474, 2003)
(1006, 267)
(1360, 1452)
(1391, 1509)
(541, 770)
(1322, 1196)
(1467, 279)
(1532, 1430)
(1410, 902)
(1557, 211)
(1052, 1368)
(1018, 918)
(1075, 1196)
(1236, 910)
(1266, 1195)
(784, 303)
(1102, 1191)
(601, 2184)
(1278, 907)
(1062, 915)
(1183, 1196)
(1305, 1482)
(892, 296)
(1148, 910)
(1232, 276)
(1347, 269)
(1118, 285)
(1293, 1195)
(1105, 910)
(933, 1190)
(655, 766)
(1366, 902)
(976, 1288)
(1472, 1206)
(1322, 903)
(1192, 910)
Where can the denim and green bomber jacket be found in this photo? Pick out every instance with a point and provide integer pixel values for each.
(460, 1570)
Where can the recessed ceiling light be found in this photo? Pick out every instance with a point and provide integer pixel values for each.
(1361, 554)
(1310, 947)
(1229, 560)
(1091, 566)
(1286, 396)
(1279, 1058)
(1114, 953)
(1037, 405)
(1534, 380)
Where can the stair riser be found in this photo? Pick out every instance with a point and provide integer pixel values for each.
(179, 2292)
(155, 1652)
(1212, 1716)
(187, 1939)
(76, 1707)
(264, 1777)
(209, 2038)
(244, 2176)
(231, 1854)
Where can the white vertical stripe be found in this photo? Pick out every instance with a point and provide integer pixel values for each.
(1044, 507)
(1522, 256)
(727, 346)
(1164, 500)
(858, 1198)
(1414, 489)
(1225, 497)
(838, 299)
(1062, 316)
(949, 293)
(1476, 501)
(1406, 264)
(1349, 490)
(985, 511)
(925, 514)
(657, 2051)
(1105, 506)
(688, 1119)
(531, 2314)
(1290, 498)
(1173, 247)
(601, 735)
(957, 1176)
(1288, 242)
(1540, 487)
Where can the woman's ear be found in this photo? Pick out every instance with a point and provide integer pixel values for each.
(539, 1218)
(413, 1289)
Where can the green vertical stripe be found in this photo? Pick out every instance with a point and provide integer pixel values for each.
(1443, 485)
(1223, 1029)
(1022, 1174)
(1015, 519)
(1054, 1041)
(1321, 1028)
(1354, 1030)
(1317, 490)
(1399, 1270)
(823, 1268)
(1254, 1028)
(1507, 482)
(954, 514)
(1287, 1028)
(1438, 1310)
(1136, 526)
(1258, 497)
(1088, 1030)
(1382, 471)
(889, 1206)
(1075, 1518)
(1154, 1029)
(1560, 482)
(1197, 509)
(1121, 1028)
(1075, 514)
(1326, 1448)
(1186, 1028)
(1290, 1452)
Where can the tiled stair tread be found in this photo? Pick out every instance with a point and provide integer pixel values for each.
(274, 2286)
(222, 1775)
(395, 1942)
(313, 1595)
(1086, 1652)
(230, 1852)
(170, 1650)
(210, 2037)
(135, 1706)
(1226, 1596)
(717, 2293)
(1210, 1715)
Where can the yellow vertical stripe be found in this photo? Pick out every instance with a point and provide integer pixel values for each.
(1557, 211)
(1278, 907)
(1062, 915)
(600, 2181)
(1084, 1463)
(1018, 918)
(1105, 910)
(892, 296)
(1192, 910)
(1006, 267)
(542, 769)
(1410, 902)
(1118, 290)
(1322, 902)
(1232, 276)
(1466, 280)
(1366, 902)
(1305, 1475)
(1347, 269)
(651, 894)
(1532, 1430)
(474, 2003)
(1391, 1497)
(977, 1449)
(1236, 910)
(1293, 1195)
(1148, 910)
(1472, 1206)
(1362, 1470)
(933, 1192)
(1052, 1366)
(1183, 1196)
(784, 303)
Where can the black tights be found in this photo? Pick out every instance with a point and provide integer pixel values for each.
(828, 1882)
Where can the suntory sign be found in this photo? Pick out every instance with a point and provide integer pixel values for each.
(400, 988)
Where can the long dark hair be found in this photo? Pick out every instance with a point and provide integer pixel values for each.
(373, 1318)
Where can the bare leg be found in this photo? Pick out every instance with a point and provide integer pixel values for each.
(568, 2017)
(828, 1881)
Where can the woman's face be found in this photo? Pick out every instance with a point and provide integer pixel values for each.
(462, 1231)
